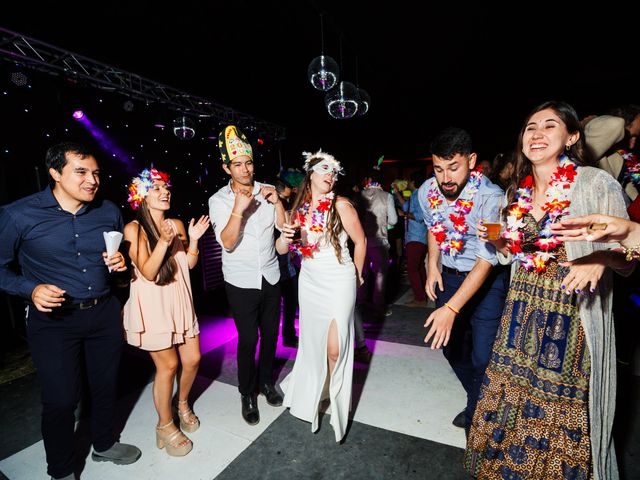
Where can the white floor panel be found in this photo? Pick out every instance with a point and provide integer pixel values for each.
(223, 435)
(412, 390)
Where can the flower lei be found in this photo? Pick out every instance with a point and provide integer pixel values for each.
(315, 229)
(633, 167)
(557, 205)
(452, 244)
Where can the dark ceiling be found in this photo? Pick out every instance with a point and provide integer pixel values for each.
(425, 66)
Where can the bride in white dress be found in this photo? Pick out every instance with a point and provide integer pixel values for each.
(327, 294)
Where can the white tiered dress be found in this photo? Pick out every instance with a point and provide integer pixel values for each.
(327, 291)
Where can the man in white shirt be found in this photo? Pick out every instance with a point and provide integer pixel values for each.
(243, 214)
(377, 213)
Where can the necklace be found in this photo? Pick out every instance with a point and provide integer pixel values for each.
(452, 243)
(557, 205)
(314, 228)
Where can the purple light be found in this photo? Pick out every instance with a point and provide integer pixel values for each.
(78, 114)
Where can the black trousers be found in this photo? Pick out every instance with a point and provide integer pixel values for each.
(255, 311)
(59, 341)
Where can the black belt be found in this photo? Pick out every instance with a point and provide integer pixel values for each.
(76, 304)
(453, 271)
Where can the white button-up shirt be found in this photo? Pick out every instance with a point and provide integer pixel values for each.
(254, 256)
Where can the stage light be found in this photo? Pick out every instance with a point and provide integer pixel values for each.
(19, 79)
(78, 114)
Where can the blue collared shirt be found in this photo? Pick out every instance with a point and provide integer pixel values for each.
(54, 246)
(466, 258)
(417, 229)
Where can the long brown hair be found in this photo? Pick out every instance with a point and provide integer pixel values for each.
(334, 225)
(578, 152)
(167, 272)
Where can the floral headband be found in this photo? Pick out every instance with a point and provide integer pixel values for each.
(326, 165)
(140, 185)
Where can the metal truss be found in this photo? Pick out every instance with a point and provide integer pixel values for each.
(46, 58)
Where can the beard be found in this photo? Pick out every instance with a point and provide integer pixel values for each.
(453, 193)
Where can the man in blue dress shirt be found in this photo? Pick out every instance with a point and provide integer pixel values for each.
(56, 236)
(471, 289)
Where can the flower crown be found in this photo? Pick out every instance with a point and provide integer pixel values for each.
(140, 185)
(326, 165)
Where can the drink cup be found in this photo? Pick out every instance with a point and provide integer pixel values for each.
(491, 214)
(291, 218)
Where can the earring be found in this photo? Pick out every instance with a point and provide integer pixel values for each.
(568, 147)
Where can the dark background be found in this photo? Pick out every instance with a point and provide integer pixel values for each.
(425, 66)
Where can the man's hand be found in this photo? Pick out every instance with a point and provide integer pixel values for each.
(441, 321)
(270, 194)
(434, 277)
(115, 262)
(47, 296)
(242, 201)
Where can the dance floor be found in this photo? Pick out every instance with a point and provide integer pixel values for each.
(403, 404)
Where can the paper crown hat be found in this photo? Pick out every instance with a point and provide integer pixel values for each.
(233, 143)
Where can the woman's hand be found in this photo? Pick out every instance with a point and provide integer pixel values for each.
(286, 236)
(167, 231)
(597, 228)
(481, 233)
(197, 229)
(585, 271)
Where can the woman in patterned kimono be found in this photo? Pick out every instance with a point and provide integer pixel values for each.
(547, 401)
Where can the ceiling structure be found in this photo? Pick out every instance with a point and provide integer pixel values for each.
(442, 65)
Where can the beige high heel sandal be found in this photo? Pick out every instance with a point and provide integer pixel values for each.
(189, 422)
(176, 442)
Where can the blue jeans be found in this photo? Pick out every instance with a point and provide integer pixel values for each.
(474, 330)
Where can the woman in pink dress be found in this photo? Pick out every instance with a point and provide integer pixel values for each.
(159, 314)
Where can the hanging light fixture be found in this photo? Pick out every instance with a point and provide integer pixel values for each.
(184, 128)
(323, 72)
(364, 103)
(342, 103)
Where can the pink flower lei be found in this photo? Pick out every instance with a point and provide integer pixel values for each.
(557, 205)
(453, 243)
(315, 228)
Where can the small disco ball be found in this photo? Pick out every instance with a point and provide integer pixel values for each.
(184, 128)
(342, 103)
(323, 73)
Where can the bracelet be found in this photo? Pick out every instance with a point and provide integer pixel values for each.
(236, 215)
(195, 254)
(452, 309)
(632, 253)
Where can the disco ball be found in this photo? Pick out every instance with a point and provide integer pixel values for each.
(342, 102)
(184, 128)
(323, 73)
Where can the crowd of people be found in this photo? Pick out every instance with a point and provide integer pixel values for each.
(525, 319)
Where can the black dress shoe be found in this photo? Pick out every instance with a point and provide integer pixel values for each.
(250, 411)
(290, 342)
(461, 420)
(273, 397)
